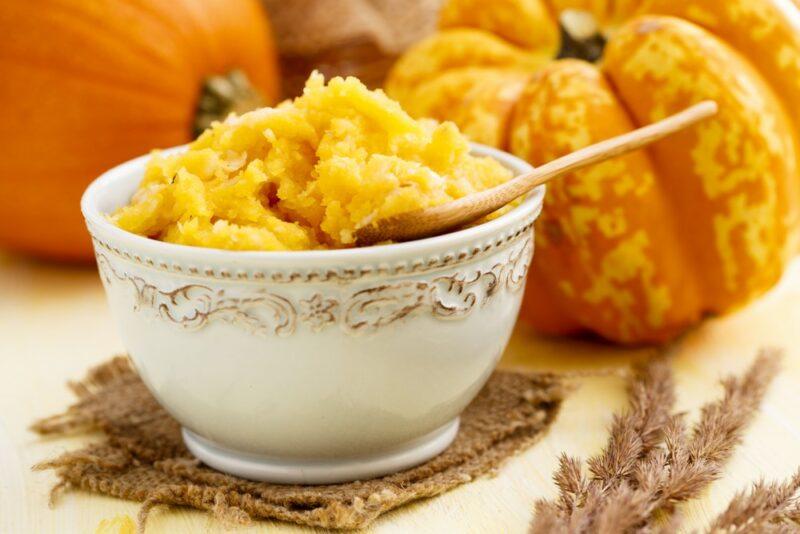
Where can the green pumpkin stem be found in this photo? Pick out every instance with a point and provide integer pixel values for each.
(222, 95)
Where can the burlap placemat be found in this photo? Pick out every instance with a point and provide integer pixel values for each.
(142, 456)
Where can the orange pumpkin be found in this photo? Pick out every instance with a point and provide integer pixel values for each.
(639, 248)
(86, 85)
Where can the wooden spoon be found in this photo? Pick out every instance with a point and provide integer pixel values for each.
(443, 218)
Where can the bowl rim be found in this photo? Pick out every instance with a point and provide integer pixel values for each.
(99, 225)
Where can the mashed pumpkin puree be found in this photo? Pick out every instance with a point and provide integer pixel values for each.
(305, 174)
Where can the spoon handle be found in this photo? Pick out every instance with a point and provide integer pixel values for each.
(487, 201)
(445, 217)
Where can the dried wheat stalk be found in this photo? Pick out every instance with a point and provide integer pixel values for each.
(653, 462)
(767, 508)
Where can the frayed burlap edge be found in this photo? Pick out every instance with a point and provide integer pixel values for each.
(142, 456)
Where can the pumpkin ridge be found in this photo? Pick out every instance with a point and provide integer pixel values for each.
(579, 208)
(145, 7)
(691, 279)
(89, 79)
(729, 285)
(95, 29)
(207, 35)
(79, 70)
(777, 20)
(176, 31)
(504, 20)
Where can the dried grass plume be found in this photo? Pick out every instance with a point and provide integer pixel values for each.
(652, 462)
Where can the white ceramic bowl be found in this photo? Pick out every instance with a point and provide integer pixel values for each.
(314, 366)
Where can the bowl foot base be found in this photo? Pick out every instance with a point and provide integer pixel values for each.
(327, 471)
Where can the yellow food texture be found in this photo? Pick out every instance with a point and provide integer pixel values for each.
(305, 174)
(121, 524)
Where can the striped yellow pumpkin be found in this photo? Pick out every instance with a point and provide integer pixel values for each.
(642, 247)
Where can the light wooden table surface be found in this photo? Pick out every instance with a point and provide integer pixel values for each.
(54, 325)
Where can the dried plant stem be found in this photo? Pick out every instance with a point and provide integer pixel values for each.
(652, 461)
(765, 508)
